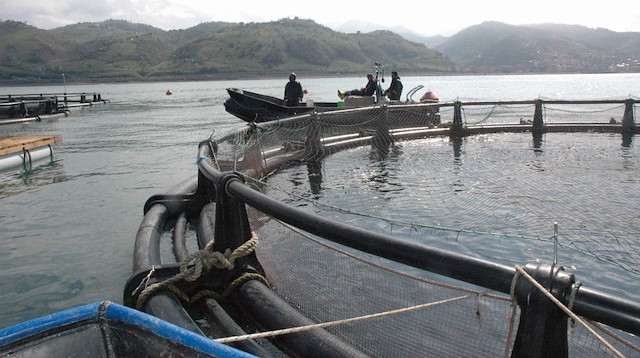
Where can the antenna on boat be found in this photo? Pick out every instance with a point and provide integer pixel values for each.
(379, 78)
(555, 243)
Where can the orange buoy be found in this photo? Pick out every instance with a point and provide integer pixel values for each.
(429, 97)
(169, 92)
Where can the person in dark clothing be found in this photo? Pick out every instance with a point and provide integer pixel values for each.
(395, 88)
(293, 91)
(368, 90)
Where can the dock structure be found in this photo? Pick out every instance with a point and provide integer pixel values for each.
(35, 107)
(25, 150)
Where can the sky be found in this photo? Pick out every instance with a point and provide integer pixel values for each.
(423, 17)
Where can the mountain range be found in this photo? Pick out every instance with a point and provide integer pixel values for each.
(118, 50)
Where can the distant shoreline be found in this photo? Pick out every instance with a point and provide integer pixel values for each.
(259, 76)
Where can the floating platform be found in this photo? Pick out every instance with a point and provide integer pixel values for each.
(35, 118)
(25, 150)
(36, 107)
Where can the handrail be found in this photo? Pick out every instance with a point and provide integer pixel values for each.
(46, 94)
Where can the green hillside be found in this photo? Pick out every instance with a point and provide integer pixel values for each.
(31, 53)
(300, 45)
(118, 50)
(87, 32)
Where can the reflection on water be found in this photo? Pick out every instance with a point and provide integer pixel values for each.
(538, 139)
(314, 169)
(456, 143)
(382, 169)
(17, 181)
(627, 139)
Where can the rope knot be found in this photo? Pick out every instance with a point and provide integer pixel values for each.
(203, 260)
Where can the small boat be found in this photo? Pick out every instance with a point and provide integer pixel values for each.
(169, 92)
(23, 151)
(107, 329)
(255, 107)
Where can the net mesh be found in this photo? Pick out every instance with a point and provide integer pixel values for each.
(493, 195)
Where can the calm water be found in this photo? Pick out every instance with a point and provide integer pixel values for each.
(67, 229)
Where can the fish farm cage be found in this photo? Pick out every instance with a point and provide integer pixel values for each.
(17, 108)
(269, 268)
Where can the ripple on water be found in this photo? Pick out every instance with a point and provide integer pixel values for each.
(498, 197)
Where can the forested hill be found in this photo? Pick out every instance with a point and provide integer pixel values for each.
(545, 48)
(117, 50)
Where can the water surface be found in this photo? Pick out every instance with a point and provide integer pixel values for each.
(67, 229)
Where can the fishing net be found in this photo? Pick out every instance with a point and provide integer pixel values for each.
(496, 195)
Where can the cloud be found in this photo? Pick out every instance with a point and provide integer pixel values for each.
(428, 18)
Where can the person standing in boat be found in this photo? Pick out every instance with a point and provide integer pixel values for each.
(293, 91)
(395, 88)
(368, 90)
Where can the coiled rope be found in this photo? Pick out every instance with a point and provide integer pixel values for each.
(202, 261)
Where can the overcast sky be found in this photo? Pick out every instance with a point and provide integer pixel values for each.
(424, 17)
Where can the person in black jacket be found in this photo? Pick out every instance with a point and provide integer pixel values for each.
(293, 91)
(395, 88)
(368, 90)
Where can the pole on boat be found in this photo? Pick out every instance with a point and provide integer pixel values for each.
(64, 81)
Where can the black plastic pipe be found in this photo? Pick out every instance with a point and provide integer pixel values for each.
(164, 305)
(274, 313)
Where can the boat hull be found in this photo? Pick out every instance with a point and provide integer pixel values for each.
(255, 108)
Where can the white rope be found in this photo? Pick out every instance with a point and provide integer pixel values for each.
(338, 322)
(568, 312)
(145, 282)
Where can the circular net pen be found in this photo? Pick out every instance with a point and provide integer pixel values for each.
(502, 229)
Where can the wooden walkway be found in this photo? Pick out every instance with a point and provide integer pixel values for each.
(16, 144)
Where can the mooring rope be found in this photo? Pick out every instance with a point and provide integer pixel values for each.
(573, 316)
(193, 266)
(279, 332)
